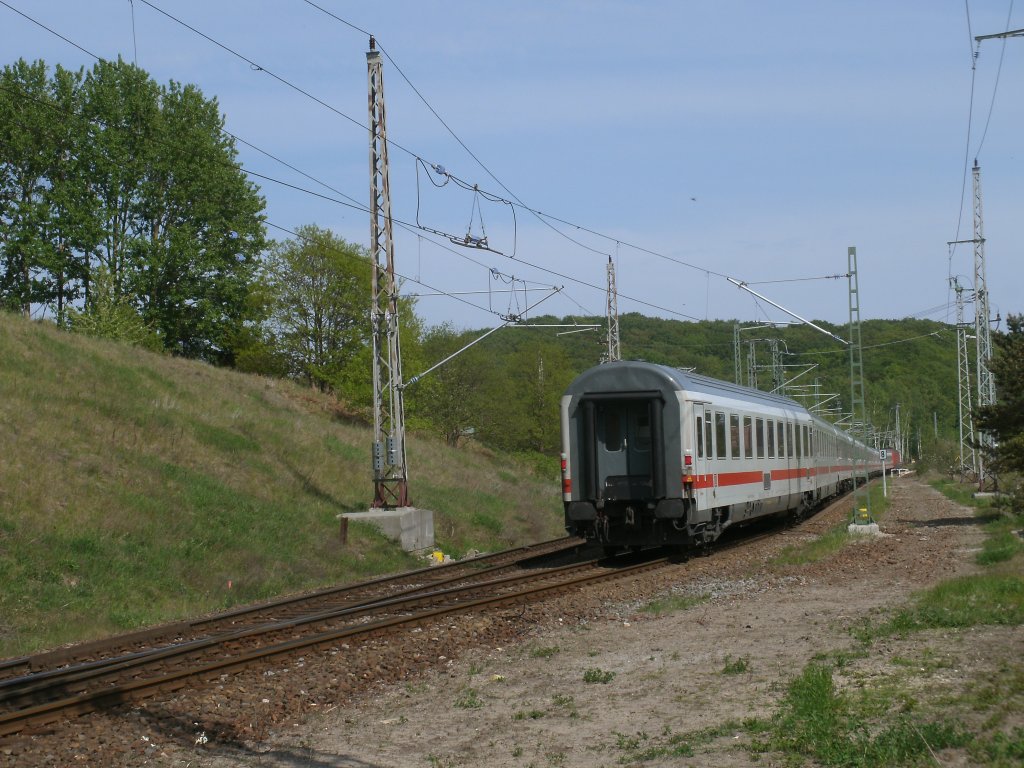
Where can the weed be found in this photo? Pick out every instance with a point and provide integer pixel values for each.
(736, 666)
(470, 699)
(517, 752)
(568, 703)
(595, 675)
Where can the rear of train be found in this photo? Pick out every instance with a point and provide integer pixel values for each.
(622, 456)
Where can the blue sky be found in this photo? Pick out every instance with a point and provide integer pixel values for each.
(751, 139)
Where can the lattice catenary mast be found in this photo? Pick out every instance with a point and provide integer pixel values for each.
(390, 481)
(982, 330)
(614, 347)
(859, 421)
(965, 419)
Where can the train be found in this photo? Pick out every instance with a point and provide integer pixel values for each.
(657, 456)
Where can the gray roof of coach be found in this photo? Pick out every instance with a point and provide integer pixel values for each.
(683, 380)
(688, 381)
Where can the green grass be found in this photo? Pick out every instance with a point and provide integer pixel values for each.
(134, 487)
(831, 542)
(815, 721)
(961, 493)
(989, 598)
(663, 606)
(1003, 541)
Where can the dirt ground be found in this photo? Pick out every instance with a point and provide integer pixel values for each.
(597, 684)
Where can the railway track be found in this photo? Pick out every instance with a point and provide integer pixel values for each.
(36, 692)
(30, 702)
(330, 598)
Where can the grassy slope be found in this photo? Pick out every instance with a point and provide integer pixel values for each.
(134, 487)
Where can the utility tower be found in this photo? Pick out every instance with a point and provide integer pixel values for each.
(778, 372)
(982, 330)
(859, 425)
(614, 349)
(737, 374)
(965, 418)
(390, 481)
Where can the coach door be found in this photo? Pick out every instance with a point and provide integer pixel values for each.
(625, 449)
(701, 452)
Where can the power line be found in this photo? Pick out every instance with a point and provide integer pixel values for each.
(515, 201)
(258, 67)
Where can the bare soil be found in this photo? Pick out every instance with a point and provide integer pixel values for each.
(592, 679)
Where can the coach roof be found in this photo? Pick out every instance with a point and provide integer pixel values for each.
(637, 376)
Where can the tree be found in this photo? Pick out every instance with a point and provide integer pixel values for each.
(37, 176)
(108, 168)
(320, 303)
(319, 295)
(449, 399)
(1004, 420)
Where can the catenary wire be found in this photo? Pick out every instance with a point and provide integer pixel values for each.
(284, 81)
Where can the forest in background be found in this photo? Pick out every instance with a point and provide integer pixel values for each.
(505, 389)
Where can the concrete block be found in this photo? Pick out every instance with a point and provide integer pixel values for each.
(411, 527)
(869, 529)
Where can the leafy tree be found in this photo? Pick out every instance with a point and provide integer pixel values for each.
(448, 400)
(1004, 419)
(37, 178)
(320, 294)
(108, 168)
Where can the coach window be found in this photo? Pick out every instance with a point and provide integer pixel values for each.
(612, 431)
(759, 426)
(748, 437)
(792, 445)
(808, 441)
(780, 438)
(642, 430)
(700, 437)
(707, 434)
(734, 436)
(771, 439)
(719, 434)
(801, 444)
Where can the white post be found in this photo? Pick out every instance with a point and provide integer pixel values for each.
(885, 490)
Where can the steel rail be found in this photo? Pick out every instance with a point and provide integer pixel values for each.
(19, 720)
(49, 660)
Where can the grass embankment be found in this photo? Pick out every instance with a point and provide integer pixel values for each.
(134, 488)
